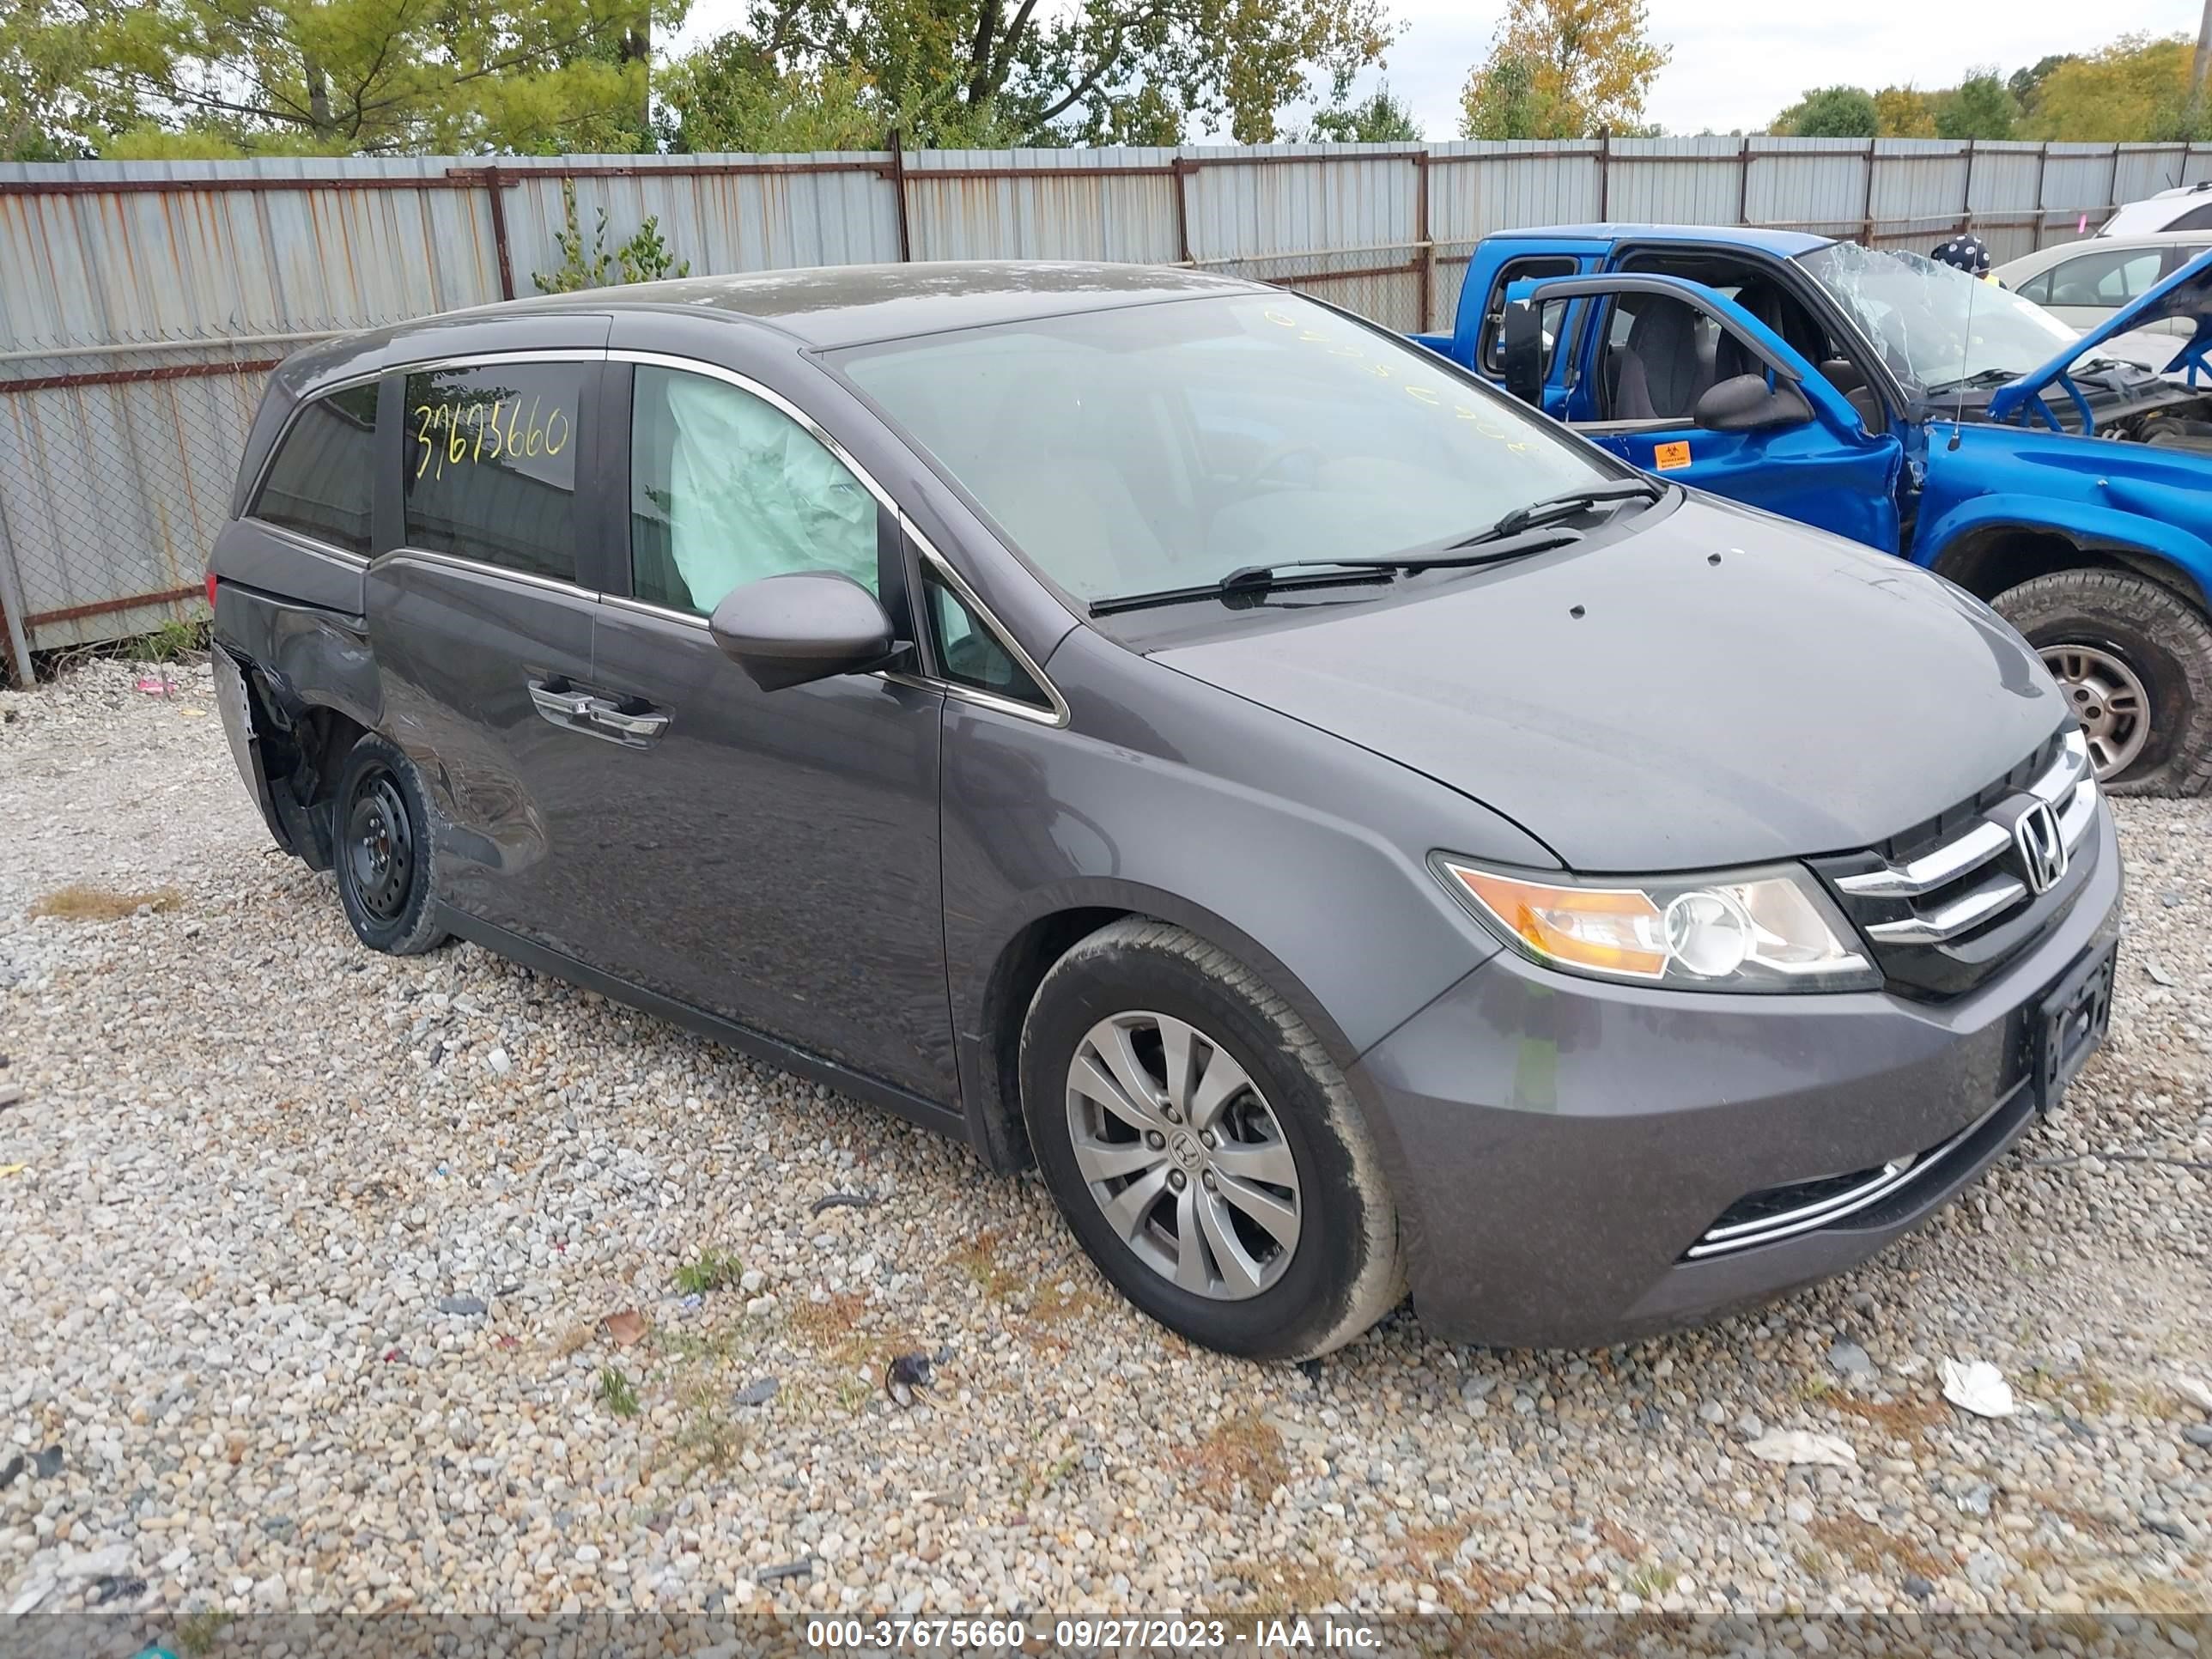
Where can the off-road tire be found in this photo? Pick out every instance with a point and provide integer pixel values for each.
(2161, 635)
(1347, 1270)
(408, 927)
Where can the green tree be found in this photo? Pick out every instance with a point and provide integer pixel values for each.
(1904, 112)
(359, 76)
(1016, 71)
(1831, 113)
(2134, 91)
(1586, 63)
(1379, 119)
(2025, 83)
(721, 96)
(1979, 106)
(1501, 102)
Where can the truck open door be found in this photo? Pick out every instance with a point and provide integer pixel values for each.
(1677, 378)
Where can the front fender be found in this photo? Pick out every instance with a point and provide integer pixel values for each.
(2086, 525)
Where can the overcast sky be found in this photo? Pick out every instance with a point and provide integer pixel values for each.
(1737, 61)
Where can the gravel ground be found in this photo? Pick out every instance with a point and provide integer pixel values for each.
(307, 1257)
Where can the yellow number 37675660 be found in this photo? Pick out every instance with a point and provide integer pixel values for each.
(465, 433)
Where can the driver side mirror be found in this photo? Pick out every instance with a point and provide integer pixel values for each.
(803, 626)
(1745, 403)
(1522, 332)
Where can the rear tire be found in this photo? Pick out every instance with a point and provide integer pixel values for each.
(1254, 1136)
(384, 848)
(2126, 621)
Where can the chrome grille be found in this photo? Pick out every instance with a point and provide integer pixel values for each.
(1948, 909)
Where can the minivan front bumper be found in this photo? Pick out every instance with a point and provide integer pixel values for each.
(1561, 1145)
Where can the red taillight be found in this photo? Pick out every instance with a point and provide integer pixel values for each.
(210, 590)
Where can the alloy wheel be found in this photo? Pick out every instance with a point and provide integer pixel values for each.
(2109, 699)
(380, 846)
(1183, 1155)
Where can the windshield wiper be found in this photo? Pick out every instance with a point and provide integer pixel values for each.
(1979, 377)
(1566, 504)
(1323, 573)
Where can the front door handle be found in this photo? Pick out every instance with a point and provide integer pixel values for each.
(560, 703)
(641, 728)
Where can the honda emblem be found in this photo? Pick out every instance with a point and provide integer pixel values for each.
(2042, 847)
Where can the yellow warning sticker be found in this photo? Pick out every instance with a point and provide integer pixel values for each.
(1665, 458)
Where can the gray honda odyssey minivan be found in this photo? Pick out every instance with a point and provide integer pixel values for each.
(1348, 832)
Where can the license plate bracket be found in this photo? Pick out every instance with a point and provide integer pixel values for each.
(2072, 1022)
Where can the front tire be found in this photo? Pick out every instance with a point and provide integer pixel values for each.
(2135, 660)
(1205, 1152)
(384, 848)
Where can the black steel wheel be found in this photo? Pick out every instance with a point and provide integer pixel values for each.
(384, 850)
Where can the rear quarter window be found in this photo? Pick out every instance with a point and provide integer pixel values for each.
(321, 479)
(490, 464)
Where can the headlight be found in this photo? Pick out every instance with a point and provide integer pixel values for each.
(1768, 929)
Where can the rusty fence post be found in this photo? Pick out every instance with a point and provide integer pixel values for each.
(898, 184)
(1425, 249)
(495, 182)
(1866, 203)
(16, 640)
(1181, 180)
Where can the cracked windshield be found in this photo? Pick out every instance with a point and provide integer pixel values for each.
(1938, 327)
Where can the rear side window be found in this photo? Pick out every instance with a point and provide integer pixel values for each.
(1492, 344)
(2195, 219)
(726, 488)
(320, 480)
(491, 464)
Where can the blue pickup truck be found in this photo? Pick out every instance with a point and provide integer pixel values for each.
(1908, 405)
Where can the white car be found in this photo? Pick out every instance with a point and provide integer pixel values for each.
(2083, 283)
(2185, 207)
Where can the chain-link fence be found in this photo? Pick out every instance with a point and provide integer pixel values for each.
(115, 471)
(1388, 284)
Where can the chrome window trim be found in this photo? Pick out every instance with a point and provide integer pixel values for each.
(311, 545)
(1057, 714)
(479, 568)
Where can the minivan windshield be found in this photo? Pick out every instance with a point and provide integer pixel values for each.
(1937, 326)
(1162, 446)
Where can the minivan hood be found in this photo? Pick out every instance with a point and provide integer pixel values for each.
(1717, 686)
(2186, 294)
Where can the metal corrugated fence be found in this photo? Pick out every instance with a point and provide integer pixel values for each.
(141, 303)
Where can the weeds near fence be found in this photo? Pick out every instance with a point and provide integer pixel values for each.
(644, 258)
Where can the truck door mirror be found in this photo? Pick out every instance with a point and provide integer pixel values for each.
(1745, 403)
(1523, 333)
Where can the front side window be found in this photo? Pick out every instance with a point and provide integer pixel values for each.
(491, 464)
(726, 488)
(1149, 447)
(322, 477)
